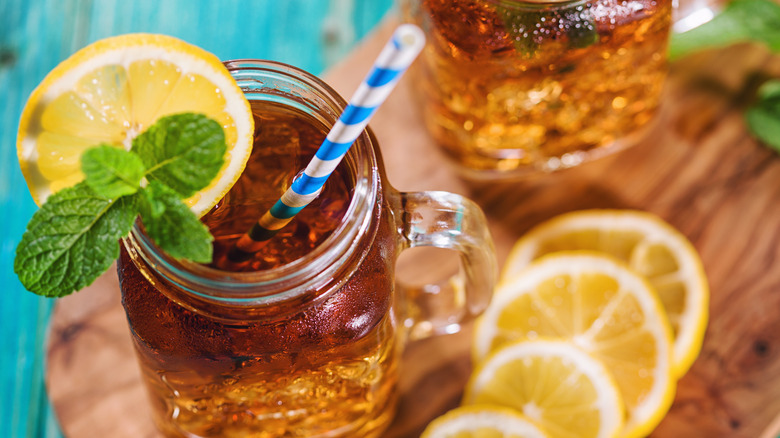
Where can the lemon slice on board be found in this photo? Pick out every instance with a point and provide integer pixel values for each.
(555, 384)
(600, 305)
(482, 422)
(111, 91)
(651, 247)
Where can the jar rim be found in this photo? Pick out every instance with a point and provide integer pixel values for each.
(315, 268)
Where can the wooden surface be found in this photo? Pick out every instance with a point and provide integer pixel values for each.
(698, 169)
(35, 35)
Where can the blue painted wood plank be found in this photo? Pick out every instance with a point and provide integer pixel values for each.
(35, 35)
(33, 41)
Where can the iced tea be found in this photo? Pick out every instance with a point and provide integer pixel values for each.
(510, 86)
(305, 341)
(327, 369)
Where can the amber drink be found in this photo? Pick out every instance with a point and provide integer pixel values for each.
(305, 341)
(514, 87)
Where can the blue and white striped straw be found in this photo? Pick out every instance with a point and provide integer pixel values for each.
(394, 59)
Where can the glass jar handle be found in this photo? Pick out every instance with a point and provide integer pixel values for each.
(446, 220)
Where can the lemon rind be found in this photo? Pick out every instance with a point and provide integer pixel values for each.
(124, 50)
(688, 342)
(609, 398)
(472, 417)
(644, 419)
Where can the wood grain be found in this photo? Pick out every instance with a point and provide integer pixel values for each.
(698, 168)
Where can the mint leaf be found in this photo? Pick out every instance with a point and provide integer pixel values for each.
(763, 118)
(112, 172)
(72, 239)
(740, 21)
(173, 226)
(182, 151)
(152, 207)
(531, 25)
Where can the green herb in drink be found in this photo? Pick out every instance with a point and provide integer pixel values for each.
(74, 237)
(532, 24)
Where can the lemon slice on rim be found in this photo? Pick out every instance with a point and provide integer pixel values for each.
(651, 247)
(111, 91)
(600, 305)
(482, 422)
(555, 384)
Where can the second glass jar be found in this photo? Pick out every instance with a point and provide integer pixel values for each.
(514, 87)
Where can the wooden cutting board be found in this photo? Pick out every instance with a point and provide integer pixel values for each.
(698, 168)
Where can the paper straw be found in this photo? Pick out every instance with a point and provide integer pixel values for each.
(394, 59)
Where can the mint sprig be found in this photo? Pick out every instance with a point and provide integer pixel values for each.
(74, 237)
(173, 226)
(743, 21)
(763, 117)
(112, 172)
(531, 24)
(740, 21)
(182, 152)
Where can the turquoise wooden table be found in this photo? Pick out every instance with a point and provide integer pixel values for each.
(35, 35)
